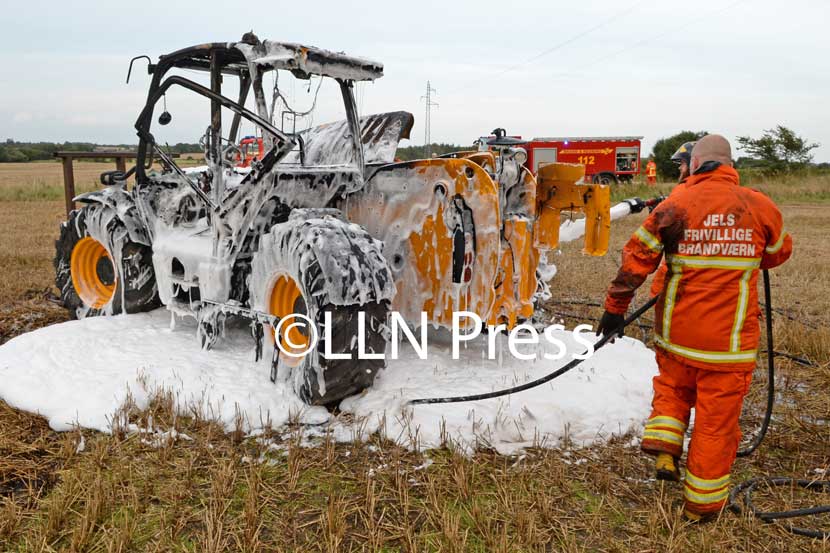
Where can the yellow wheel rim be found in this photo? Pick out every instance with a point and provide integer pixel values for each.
(93, 273)
(286, 300)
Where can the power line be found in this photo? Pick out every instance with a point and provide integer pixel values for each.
(562, 44)
(687, 24)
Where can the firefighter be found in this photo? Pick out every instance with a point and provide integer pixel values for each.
(715, 236)
(682, 157)
(651, 171)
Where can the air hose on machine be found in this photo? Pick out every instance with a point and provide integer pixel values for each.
(746, 488)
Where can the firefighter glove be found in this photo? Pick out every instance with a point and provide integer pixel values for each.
(654, 202)
(609, 323)
(636, 204)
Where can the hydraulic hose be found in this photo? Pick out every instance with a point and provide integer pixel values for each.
(547, 378)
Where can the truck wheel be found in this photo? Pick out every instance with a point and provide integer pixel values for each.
(605, 179)
(98, 270)
(314, 266)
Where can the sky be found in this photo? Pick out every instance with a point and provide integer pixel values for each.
(536, 68)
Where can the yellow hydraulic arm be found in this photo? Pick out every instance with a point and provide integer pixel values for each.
(556, 191)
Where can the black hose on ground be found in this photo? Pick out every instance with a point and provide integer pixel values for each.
(770, 372)
(744, 489)
(547, 378)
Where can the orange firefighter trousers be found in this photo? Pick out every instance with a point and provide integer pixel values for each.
(717, 397)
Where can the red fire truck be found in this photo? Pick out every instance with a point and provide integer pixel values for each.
(607, 159)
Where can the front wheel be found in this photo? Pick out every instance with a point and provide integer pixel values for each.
(311, 265)
(98, 269)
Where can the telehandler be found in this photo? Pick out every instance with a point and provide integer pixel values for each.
(326, 221)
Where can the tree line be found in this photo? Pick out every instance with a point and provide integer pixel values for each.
(777, 151)
(14, 151)
(408, 153)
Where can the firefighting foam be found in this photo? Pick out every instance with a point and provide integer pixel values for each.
(70, 374)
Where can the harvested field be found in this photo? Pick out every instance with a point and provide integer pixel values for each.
(201, 489)
(43, 180)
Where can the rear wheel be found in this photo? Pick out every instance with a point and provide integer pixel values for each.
(98, 270)
(286, 302)
(308, 267)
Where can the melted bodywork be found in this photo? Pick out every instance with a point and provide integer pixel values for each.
(430, 215)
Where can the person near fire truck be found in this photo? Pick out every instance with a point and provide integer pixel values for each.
(651, 171)
(715, 235)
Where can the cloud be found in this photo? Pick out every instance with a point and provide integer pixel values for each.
(649, 72)
(22, 117)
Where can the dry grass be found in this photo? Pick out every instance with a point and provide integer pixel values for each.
(802, 189)
(221, 491)
(43, 180)
(27, 248)
(214, 492)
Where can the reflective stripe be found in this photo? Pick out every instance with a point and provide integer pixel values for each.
(777, 246)
(668, 306)
(740, 312)
(705, 498)
(706, 485)
(649, 239)
(711, 262)
(663, 436)
(707, 356)
(664, 420)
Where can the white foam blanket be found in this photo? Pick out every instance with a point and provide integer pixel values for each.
(80, 372)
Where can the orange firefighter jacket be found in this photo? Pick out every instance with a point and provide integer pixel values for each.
(715, 235)
(659, 279)
(651, 169)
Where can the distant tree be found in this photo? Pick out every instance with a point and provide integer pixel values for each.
(13, 155)
(779, 150)
(665, 148)
(408, 153)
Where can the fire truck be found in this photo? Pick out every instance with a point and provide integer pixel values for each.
(607, 159)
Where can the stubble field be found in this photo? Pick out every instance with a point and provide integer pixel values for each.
(225, 491)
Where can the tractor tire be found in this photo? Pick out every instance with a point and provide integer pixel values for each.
(99, 270)
(313, 264)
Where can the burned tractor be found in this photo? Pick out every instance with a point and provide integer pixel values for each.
(325, 224)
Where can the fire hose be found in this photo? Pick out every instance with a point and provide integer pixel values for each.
(744, 489)
(548, 377)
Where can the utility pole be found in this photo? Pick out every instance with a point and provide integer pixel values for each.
(429, 104)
